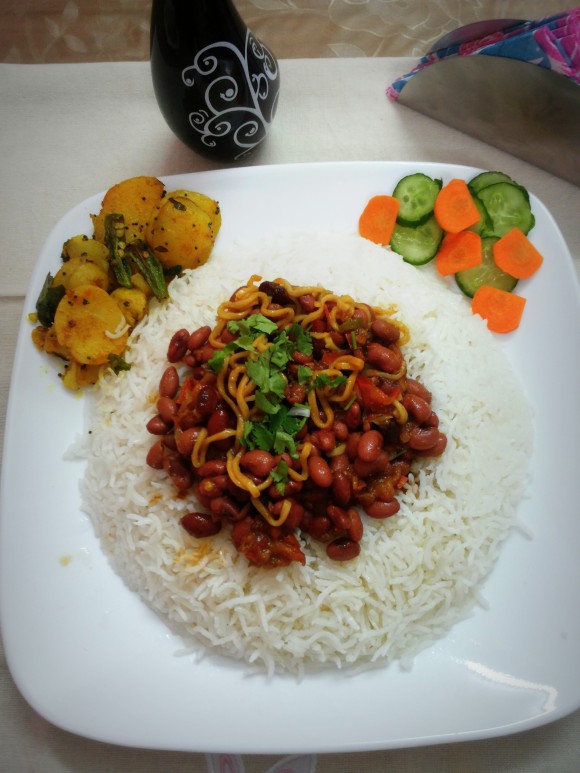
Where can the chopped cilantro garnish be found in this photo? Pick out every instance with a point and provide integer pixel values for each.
(280, 475)
(324, 380)
(276, 430)
(304, 374)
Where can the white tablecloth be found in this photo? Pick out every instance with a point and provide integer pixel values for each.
(69, 131)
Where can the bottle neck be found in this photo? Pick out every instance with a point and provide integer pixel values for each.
(195, 23)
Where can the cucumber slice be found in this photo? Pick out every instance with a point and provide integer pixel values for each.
(416, 194)
(486, 273)
(483, 225)
(417, 245)
(484, 179)
(508, 206)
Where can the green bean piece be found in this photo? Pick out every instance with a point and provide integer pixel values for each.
(150, 267)
(115, 241)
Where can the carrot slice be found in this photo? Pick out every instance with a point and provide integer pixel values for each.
(501, 310)
(454, 207)
(378, 219)
(458, 252)
(516, 255)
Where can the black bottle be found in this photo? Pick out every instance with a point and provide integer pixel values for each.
(216, 84)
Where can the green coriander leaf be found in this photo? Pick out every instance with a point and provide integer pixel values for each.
(257, 435)
(217, 361)
(324, 380)
(280, 476)
(283, 442)
(266, 405)
(302, 338)
(304, 374)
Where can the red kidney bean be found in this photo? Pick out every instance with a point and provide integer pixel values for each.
(342, 549)
(226, 336)
(155, 455)
(167, 409)
(219, 420)
(178, 345)
(338, 338)
(432, 420)
(206, 400)
(364, 313)
(213, 487)
(353, 416)
(320, 527)
(437, 449)
(205, 353)
(319, 471)
(212, 467)
(190, 360)
(258, 462)
(324, 439)
(339, 463)
(198, 338)
(352, 445)
(423, 438)
(417, 407)
(296, 393)
(416, 388)
(200, 525)
(340, 431)
(294, 517)
(292, 487)
(319, 326)
(355, 528)
(307, 302)
(383, 358)
(180, 475)
(342, 487)
(379, 509)
(339, 517)
(365, 469)
(169, 441)
(156, 426)
(169, 382)
(185, 440)
(301, 358)
(385, 331)
(369, 445)
(224, 507)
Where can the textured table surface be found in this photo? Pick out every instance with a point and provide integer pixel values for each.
(57, 149)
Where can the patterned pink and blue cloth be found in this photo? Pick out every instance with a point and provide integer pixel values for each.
(552, 43)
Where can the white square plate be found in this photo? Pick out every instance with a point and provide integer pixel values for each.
(91, 658)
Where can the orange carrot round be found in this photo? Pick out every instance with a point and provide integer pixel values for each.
(458, 252)
(378, 219)
(516, 255)
(501, 310)
(454, 207)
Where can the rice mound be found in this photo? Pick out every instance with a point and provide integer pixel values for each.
(418, 573)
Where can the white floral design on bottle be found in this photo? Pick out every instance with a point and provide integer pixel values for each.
(239, 106)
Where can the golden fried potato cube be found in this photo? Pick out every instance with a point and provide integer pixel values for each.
(82, 246)
(181, 234)
(132, 302)
(76, 376)
(90, 325)
(209, 206)
(80, 270)
(135, 199)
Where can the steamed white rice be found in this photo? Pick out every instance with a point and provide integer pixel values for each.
(418, 573)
